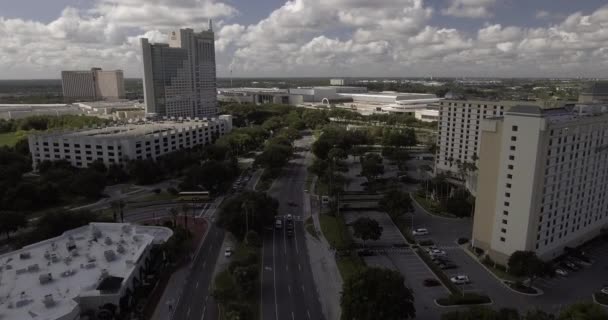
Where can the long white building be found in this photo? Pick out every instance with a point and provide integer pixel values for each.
(543, 180)
(179, 77)
(93, 268)
(120, 143)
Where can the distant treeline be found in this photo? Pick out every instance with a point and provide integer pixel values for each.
(42, 123)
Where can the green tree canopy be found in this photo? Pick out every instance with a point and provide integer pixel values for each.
(367, 229)
(376, 293)
(584, 311)
(257, 207)
(11, 221)
(527, 264)
(396, 202)
(371, 166)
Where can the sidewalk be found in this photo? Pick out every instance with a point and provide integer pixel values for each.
(323, 263)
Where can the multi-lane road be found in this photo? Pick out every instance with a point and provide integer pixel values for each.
(288, 290)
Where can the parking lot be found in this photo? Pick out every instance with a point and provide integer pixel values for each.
(415, 272)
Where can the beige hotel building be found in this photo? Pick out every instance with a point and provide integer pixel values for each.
(543, 177)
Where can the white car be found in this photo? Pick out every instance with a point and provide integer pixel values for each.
(437, 252)
(561, 272)
(420, 232)
(228, 252)
(460, 279)
(604, 290)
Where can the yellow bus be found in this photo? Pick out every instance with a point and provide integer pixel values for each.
(194, 196)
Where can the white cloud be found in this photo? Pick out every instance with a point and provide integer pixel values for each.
(310, 37)
(469, 8)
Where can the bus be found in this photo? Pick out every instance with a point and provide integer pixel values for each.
(194, 196)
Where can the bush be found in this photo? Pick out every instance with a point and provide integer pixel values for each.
(464, 299)
(157, 190)
(430, 282)
(463, 240)
(172, 191)
(520, 287)
(426, 243)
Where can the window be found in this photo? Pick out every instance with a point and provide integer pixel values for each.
(508, 195)
(514, 128)
(509, 176)
(503, 230)
(502, 239)
(506, 203)
(510, 167)
(504, 221)
(511, 157)
(513, 138)
(512, 148)
(508, 185)
(505, 212)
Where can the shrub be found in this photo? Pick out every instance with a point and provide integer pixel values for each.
(464, 299)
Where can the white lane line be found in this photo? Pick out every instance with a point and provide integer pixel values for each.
(292, 316)
(302, 288)
(206, 299)
(204, 263)
(274, 277)
(308, 313)
(284, 240)
(188, 313)
(205, 311)
(287, 267)
(289, 289)
(197, 284)
(299, 267)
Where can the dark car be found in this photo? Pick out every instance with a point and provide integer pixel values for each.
(447, 265)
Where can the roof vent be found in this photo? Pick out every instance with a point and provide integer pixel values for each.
(110, 255)
(21, 271)
(68, 273)
(24, 255)
(49, 301)
(33, 268)
(108, 241)
(70, 245)
(121, 249)
(45, 278)
(96, 232)
(126, 228)
(90, 265)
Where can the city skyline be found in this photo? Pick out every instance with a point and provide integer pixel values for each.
(399, 38)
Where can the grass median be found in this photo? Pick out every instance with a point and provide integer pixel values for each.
(336, 232)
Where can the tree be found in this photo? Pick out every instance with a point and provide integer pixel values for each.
(371, 166)
(527, 264)
(118, 209)
(116, 174)
(367, 229)
(538, 315)
(583, 311)
(261, 213)
(144, 171)
(88, 183)
(174, 213)
(396, 202)
(274, 156)
(98, 166)
(376, 293)
(11, 221)
(246, 278)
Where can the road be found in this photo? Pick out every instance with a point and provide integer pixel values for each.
(196, 302)
(288, 290)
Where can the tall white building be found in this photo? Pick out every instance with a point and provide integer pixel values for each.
(543, 180)
(94, 84)
(179, 77)
(118, 144)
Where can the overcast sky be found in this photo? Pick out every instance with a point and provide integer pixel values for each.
(396, 38)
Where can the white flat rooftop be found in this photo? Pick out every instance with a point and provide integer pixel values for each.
(77, 262)
(131, 129)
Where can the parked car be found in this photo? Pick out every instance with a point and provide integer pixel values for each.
(446, 265)
(437, 252)
(420, 232)
(561, 272)
(431, 282)
(460, 279)
(604, 290)
(570, 265)
(278, 224)
(228, 252)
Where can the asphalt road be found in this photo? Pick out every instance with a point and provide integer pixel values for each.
(196, 302)
(288, 290)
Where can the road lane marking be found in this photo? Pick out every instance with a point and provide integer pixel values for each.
(197, 284)
(205, 311)
(188, 313)
(287, 267)
(206, 299)
(308, 313)
(302, 288)
(299, 267)
(289, 289)
(274, 277)
(292, 316)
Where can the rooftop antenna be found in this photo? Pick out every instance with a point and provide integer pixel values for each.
(210, 25)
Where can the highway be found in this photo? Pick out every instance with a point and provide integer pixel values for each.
(288, 290)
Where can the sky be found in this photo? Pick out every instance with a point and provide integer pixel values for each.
(315, 38)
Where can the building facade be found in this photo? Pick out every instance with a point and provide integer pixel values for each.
(118, 144)
(543, 178)
(459, 129)
(94, 84)
(179, 77)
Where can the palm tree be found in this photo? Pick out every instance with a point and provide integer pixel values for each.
(174, 213)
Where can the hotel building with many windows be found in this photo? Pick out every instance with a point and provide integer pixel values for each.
(543, 177)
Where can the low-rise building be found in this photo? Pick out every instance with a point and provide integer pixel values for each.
(19, 111)
(94, 268)
(120, 143)
(543, 179)
(256, 95)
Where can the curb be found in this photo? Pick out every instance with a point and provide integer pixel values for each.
(539, 292)
(464, 305)
(428, 213)
(595, 300)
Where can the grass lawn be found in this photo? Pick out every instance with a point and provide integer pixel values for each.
(349, 265)
(9, 139)
(335, 231)
(310, 227)
(432, 206)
